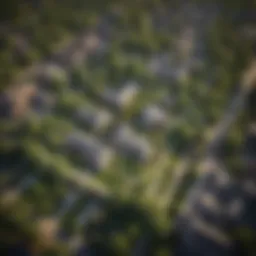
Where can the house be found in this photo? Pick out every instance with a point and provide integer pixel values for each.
(166, 67)
(89, 151)
(121, 97)
(130, 144)
(153, 117)
(93, 118)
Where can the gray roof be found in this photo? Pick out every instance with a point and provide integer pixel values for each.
(92, 152)
(153, 116)
(131, 144)
(165, 66)
(121, 97)
(94, 118)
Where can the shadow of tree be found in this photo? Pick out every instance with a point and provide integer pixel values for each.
(126, 229)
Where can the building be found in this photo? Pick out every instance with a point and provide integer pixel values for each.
(153, 117)
(93, 118)
(89, 151)
(121, 97)
(130, 144)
